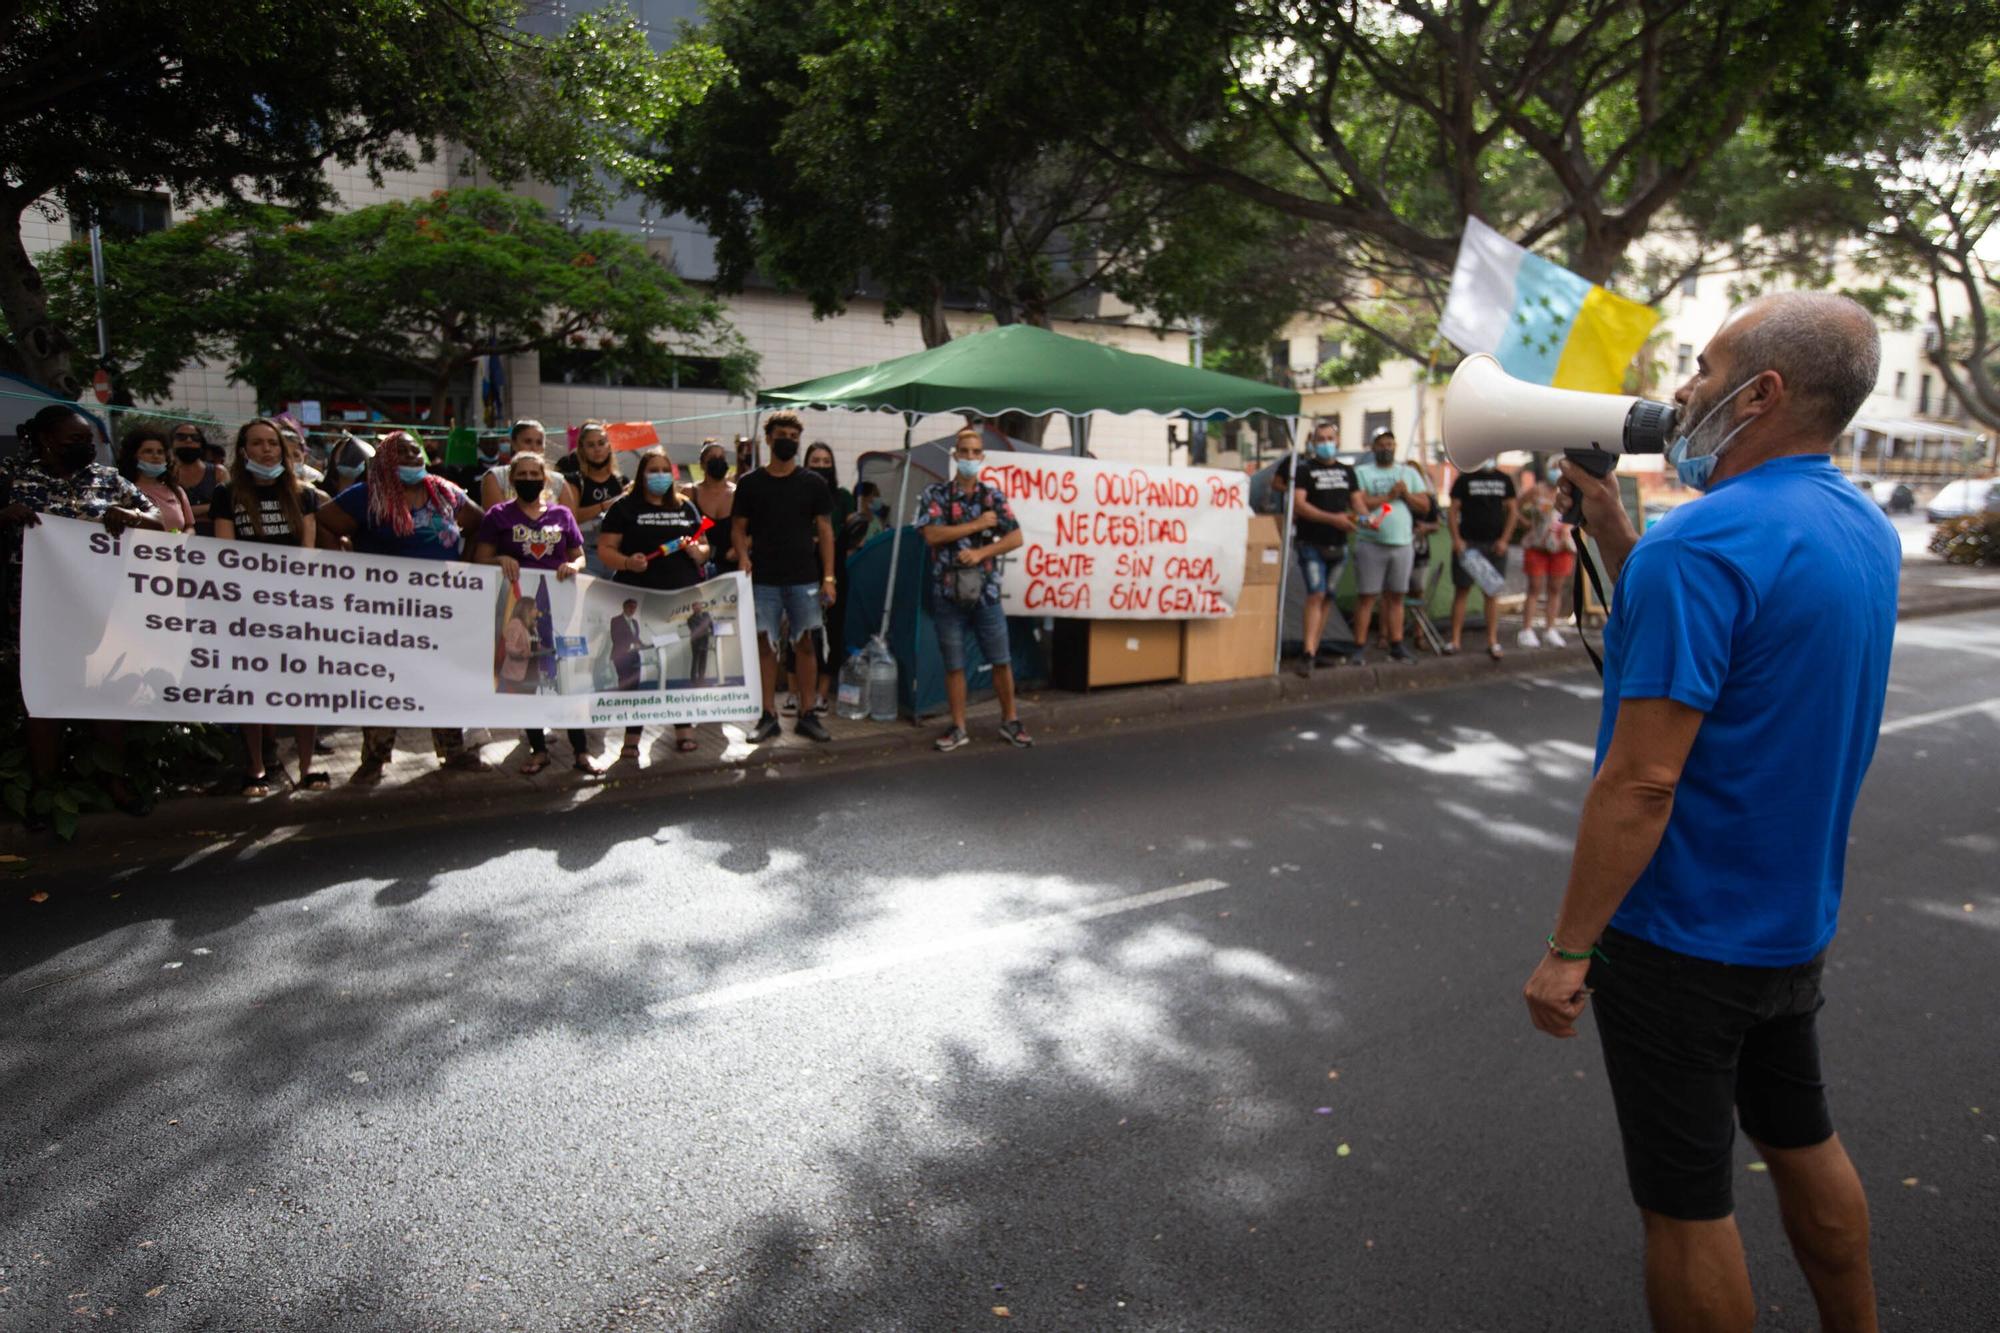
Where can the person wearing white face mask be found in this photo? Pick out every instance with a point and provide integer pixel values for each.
(1746, 654)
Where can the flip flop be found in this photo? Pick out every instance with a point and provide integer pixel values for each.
(535, 764)
(686, 744)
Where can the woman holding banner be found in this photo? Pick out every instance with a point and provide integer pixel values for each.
(266, 502)
(652, 538)
(56, 473)
(528, 532)
(400, 509)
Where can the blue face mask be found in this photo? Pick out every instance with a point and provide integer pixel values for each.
(1695, 471)
(659, 483)
(412, 475)
(153, 469)
(1324, 450)
(968, 467)
(265, 471)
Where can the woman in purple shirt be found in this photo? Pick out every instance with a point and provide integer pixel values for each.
(528, 532)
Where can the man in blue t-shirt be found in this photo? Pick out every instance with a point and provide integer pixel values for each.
(1746, 662)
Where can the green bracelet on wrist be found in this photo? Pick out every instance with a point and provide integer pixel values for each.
(1592, 952)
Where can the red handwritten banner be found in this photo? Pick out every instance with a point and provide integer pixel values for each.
(1110, 541)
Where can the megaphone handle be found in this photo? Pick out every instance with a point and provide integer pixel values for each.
(1597, 463)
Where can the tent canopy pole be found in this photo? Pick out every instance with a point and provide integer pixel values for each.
(1285, 548)
(896, 541)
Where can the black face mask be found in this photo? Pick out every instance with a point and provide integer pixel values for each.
(827, 475)
(489, 452)
(188, 453)
(715, 468)
(78, 453)
(1384, 457)
(784, 450)
(529, 490)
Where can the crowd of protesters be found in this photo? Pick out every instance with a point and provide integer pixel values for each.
(788, 524)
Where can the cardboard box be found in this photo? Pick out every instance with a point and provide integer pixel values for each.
(1240, 648)
(1263, 561)
(1129, 652)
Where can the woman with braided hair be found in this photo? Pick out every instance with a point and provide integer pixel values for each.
(400, 509)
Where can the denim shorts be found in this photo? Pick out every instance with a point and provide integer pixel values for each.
(1689, 1046)
(794, 603)
(988, 622)
(1320, 565)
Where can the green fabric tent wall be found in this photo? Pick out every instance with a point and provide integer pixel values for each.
(1021, 368)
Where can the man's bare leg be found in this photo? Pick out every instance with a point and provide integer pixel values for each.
(1696, 1281)
(1826, 1219)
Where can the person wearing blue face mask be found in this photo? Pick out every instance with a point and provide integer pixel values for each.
(1322, 518)
(400, 508)
(968, 525)
(265, 502)
(652, 538)
(1746, 656)
(143, 460)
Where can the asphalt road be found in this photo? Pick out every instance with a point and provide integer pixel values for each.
(1052, 1031)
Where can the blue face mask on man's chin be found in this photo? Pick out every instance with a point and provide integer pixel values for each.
(1697, 470)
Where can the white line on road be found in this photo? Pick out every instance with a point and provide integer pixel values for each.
(1991, 706)
(876, 962)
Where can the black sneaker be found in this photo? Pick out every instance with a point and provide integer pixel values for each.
(952, 740)
(1015, 734)
(811, 728)
(1400, 653)
(766, 728)
(1304, 667)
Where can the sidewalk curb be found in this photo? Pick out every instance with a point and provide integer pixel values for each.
(110, 841)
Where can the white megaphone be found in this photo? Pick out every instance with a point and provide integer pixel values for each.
(1488, 412)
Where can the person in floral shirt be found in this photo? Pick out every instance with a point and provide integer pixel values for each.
(56, 474)
(968, 525)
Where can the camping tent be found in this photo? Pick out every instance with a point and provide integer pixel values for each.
(1021, 368)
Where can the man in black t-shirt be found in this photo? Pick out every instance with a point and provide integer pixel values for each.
(782, 526)
(1322, 516)
(1484, 510)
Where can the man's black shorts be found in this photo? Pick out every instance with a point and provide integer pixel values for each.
(1686, 1041)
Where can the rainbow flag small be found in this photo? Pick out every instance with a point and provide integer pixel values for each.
(1542, 322)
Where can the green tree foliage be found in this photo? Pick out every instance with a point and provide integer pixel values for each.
(1925, 181)
(396, 291)
(253, 99)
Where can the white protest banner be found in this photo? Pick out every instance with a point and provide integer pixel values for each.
(174, 628)
(1111, 541)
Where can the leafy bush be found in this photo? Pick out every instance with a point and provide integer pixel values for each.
(1972, 540)
(160, 757)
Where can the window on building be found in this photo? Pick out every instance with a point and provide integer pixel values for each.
(1331, 349)
(134, 215)
(1924, 396)
(1690, 284)
(588, 365)
(1684, 359)
(1902, 382)
(1372, 422)
(1281, 361)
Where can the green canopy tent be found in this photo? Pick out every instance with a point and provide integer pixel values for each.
(1021, 368)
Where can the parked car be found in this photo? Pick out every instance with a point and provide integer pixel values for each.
(1891, 497)
(1969, 495)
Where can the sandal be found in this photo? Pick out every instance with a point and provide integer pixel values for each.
(255, 785)
(587, 766)
(536, 763)
(629, 753)
(686, 744)
(314, 782)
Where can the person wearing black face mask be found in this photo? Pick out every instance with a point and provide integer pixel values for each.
(195, 472)
(715, 496)
(782, 528)
(819, 462)
(57, 474)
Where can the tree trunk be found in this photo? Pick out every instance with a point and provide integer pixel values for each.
(40, 350)
(930, 319)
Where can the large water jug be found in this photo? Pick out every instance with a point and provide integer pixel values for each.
(851, 700)
(881, 681)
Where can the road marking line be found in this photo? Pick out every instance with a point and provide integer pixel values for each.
(1991, 706)
(876, 962)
